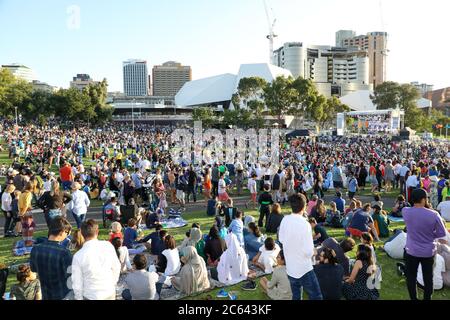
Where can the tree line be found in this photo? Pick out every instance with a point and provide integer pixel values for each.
(87, 105)
(256, 98)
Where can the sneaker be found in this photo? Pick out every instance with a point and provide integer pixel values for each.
(249, 285)
(222, 294)
(232, 296)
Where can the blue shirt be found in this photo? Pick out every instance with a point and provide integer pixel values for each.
(51, 261)
(340, 204)
(361, 220)
(352, 185)
(129, 237)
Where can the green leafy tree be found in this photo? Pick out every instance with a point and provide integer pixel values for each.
(14, 92)
(206, 115)
(279, 96)
(306, 96)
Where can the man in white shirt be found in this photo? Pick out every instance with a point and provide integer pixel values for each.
(444, 209)
(95, 268)
(296, 236)
(79, 204)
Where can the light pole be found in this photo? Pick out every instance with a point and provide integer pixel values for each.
(17, 123)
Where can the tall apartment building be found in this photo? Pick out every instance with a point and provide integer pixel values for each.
(81, 81)
(423, 87)
(21, 71)
(169, 78)
(334, 71)
(375, 43)
(135, 78)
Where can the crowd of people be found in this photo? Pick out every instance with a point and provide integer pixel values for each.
(61, 171)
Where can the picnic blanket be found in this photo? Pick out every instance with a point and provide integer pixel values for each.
(19, 249)
(169, 223)
(395, 219)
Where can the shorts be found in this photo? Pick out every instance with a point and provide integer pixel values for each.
(355, 232)
(223, 197)
(254, 197)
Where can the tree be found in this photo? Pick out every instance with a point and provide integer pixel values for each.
(204, 114)
(390, 95)
(306, 96)
(331, 108)
(98, 109)
(14, 92)
(279, 96)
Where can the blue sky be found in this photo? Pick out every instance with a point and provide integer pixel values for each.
(212, 36)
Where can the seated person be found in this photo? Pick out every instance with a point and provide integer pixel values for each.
(395, 246)
(214, 247)
(330, 275)
(367, 239)
(157, 246)
(254, 239)
(116, 231)
(377, 201)
(130, 211)
(122, 254)
(319, 232)
(362, 222)
(194, 238)
(340, 202)
(153, 219)
(438, 271)
(355, 287)
(444, 251)
(169, 259)
(333, 217)
(142, 284)
(398, 207)
(275, 218)
(112, 209)
(266, 258)
(229, 212)
(340, 249)
(28, 288)
(380, 221)
(237, 227)
(278, 288)
(218, 222)
(319, 212)
(130, 234)
(311, 204)
(193, 277)
(233, 264)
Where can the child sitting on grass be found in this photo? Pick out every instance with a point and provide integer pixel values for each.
(116, 231)
(278, 288)
(266, 258)
(319, 232)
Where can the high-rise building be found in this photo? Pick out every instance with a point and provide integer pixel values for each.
(135, 78)
(42, 86)
(344, 34)
(21, 71)
(169, 78)
(81, 81)
(423, 87)
(334, 71)
(375, 43)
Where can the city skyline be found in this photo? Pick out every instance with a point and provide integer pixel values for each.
(210, 36)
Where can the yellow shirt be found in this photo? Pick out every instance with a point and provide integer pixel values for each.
(25, 202)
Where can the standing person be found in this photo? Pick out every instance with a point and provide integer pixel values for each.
(352, 186)
(252, 187)
(192, 184)
(207, 186)
(222, 189)
(215, 179)
(52, 261)
(239, 180)
(7, 210)
(276, 186)
(95, 268)
(26, 216)
(318, 184)
(424, 227)
(265, 201)
(66, 175)
(79, 204)
(338, 181)
(296, 236)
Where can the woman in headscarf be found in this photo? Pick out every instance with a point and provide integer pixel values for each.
(233, 265)
(195, 239)
(193, 277)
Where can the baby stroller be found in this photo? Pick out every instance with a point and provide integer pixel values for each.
(108, 212)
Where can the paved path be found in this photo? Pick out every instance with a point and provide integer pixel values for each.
(95, 212)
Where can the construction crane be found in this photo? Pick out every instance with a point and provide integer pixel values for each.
(271, 22)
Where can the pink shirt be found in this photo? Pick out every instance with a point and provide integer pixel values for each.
(311, 205)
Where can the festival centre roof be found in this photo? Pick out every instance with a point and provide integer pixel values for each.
(222, 87)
